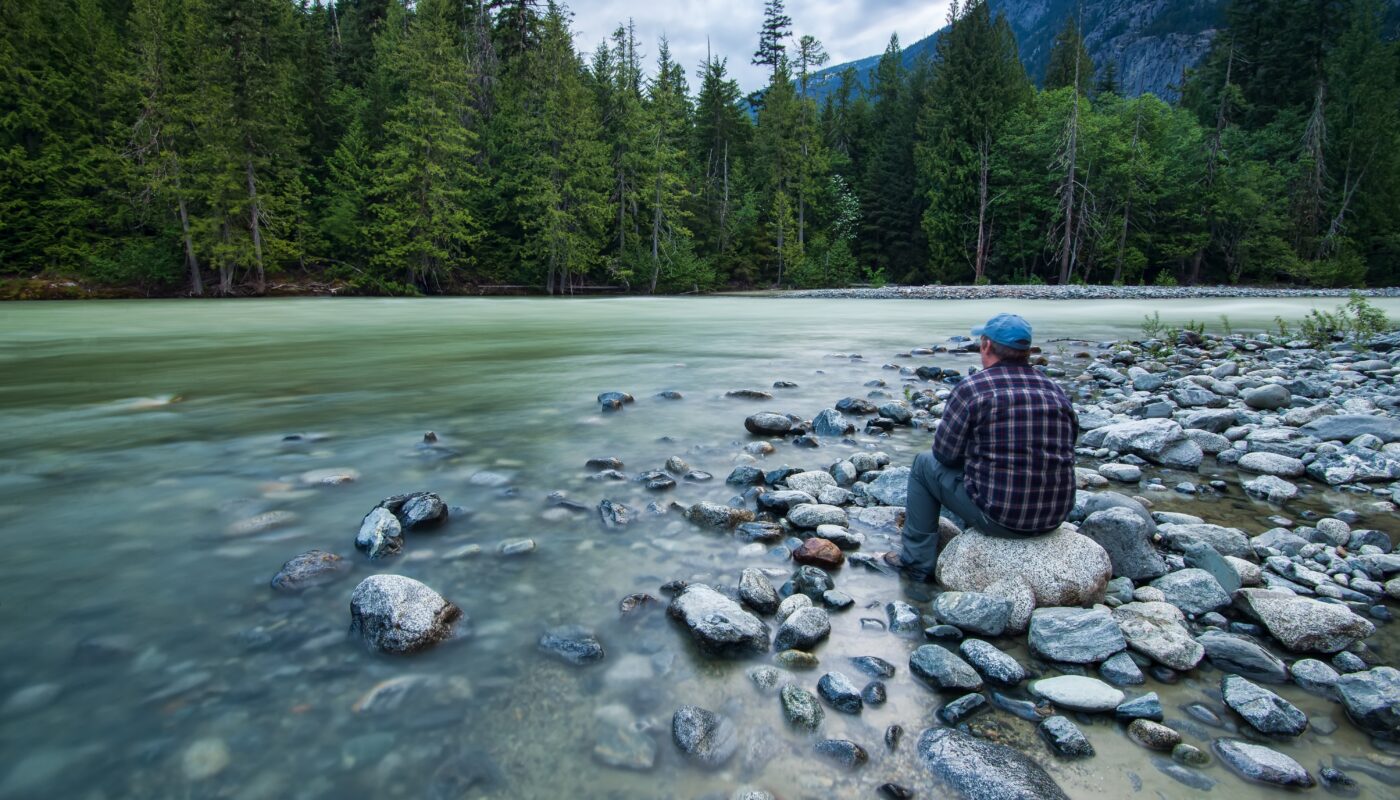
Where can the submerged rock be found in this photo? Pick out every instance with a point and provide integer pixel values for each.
(705, 737)
(715, 515)
(310, 569)
(394, 614)
(843, 752)
(573, 644)
(975, 768)
(801, 708)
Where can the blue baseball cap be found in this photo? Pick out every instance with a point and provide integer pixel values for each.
(1008, 330)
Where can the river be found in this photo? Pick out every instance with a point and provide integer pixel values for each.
(138, 435)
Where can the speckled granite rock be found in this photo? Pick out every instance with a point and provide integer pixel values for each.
(394, 614)
(1063, 568)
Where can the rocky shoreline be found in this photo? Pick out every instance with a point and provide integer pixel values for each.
(1120, 598)
(1076, 292)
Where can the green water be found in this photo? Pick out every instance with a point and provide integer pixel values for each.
(137, 433)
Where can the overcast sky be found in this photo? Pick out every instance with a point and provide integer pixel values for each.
(849, 29)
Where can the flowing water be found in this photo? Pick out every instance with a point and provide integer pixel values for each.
(138, 435)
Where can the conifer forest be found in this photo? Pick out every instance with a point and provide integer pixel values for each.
(224, 147)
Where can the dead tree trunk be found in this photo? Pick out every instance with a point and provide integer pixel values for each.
(984, 168)
(255, 222)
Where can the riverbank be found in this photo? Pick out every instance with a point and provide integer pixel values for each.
(1076, 292)
(60, 289)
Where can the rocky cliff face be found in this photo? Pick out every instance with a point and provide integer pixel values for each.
(1150, 42)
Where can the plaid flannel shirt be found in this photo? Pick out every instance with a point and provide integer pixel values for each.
(1012, 430)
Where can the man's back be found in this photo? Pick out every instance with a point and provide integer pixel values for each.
(1013, 432)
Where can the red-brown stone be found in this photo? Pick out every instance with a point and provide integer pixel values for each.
(819, 552)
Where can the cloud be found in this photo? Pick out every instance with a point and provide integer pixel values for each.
(729, 28)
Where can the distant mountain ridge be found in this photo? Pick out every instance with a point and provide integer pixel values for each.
(1150, 42)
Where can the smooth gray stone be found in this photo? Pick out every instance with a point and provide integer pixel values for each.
(1194, 591)
(1065, 738)
(838, 691)
(941, 669)
(1202, 556)
(1261, 764)
(1078, 693)
(1372, 700)
(1148, 707)
(803, 630)
(1121, 670)
(1315, 676)
(1233, 653)
(1075, 635)
(1261, 708)
(973, 612)
(1127, 536)
(994, 665)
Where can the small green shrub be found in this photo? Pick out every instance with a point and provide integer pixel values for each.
(1165, 278)
(1366, 320)
(1153, 327)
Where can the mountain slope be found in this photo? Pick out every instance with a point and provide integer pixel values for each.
(1150, 42)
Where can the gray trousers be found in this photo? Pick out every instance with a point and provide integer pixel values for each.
(934, 486)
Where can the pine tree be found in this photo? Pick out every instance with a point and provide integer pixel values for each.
(723, 133)
(425, 176)
(772, 37)
(890, 206)
(553, 163)
(1070, 63)
(163, 34)
(253, 165)
(977, 84)
(1108, 80)
(62, 176)
(617, 73)
(778, 150)
(668, 115)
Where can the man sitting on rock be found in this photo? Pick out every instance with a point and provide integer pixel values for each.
(1003, 455)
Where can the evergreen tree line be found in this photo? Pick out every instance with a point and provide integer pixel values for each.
(215, 146)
